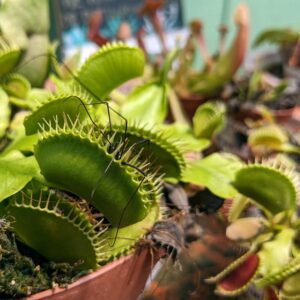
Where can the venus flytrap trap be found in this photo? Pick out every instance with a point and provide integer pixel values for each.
(269, 138)
(72, 104)
(37, 222)
(16, 86)
(59, 148)
(209, 119)
(164, 150)
(74, 99)
(9, 56)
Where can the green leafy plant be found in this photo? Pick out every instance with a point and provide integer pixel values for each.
(272, 259)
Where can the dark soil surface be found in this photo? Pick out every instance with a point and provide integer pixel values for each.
(23, 272)
(285, 102)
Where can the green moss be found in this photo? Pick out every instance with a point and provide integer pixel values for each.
(23, 272)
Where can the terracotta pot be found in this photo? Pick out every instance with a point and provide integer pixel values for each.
(190, 103)
(287, 114)
(124, 278)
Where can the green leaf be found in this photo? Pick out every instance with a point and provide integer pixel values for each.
(147, 104)
(15, 172)
(184, 133)
(168, 64)
(215, 172)
(22, 143)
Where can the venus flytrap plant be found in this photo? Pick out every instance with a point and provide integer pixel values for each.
(272, 255)
(103, 167)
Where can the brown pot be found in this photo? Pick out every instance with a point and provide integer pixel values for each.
(190, 103)
(124, 279)
(289, 117)
(283, 115)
